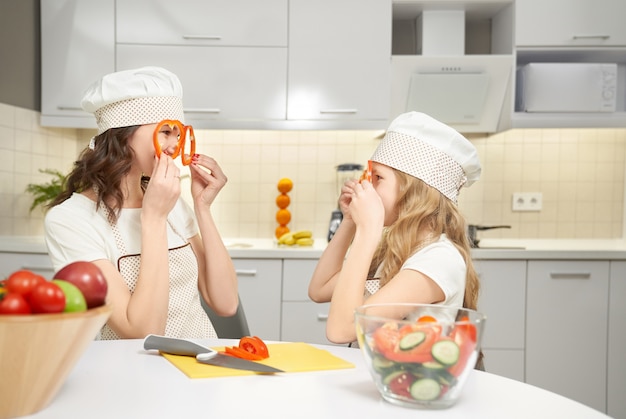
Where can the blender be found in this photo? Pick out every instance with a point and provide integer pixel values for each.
(345, 172)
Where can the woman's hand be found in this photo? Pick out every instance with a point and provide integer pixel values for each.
(207, 179)
(347, 191)
(164, 187)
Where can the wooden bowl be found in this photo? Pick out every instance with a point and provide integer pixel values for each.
(37, 352)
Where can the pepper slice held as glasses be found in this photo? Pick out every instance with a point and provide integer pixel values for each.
(186, 132)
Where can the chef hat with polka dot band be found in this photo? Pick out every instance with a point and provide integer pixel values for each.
(141, 96)
(427, 149)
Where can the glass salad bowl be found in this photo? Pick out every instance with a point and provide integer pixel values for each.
(423, 360)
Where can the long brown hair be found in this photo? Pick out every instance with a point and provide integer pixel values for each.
(424, 214)
(102, 168)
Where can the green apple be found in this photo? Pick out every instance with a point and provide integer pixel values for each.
(74, 298)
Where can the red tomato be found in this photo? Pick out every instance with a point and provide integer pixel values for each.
(387, 342)
(47, 297)
(14, 303)
(401, 384)
(465, 336)
(254, 345)
(23, 282)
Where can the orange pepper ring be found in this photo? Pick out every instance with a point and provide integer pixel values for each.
(180, 146)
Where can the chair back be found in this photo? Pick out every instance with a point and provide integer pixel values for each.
(231, 327)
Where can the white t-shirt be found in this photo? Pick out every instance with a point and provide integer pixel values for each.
(442, 262)
(75, 231)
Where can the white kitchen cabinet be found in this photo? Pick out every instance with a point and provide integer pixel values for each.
(503, 300)
(219, 83)
(616, 382)
(339, 60)
(39, 263)
(566, 328)
(567, 23)
(202, 22)
(77, 48)
(302, 319)
(260, 292)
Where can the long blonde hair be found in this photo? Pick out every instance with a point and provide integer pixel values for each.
(424, 214)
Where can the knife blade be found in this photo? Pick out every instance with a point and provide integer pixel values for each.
(203, 354)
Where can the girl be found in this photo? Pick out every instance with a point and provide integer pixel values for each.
(158, 256)
(403, 228)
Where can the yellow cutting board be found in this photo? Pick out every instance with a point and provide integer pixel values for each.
(289, 357)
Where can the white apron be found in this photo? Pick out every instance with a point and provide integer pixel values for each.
(185, 316)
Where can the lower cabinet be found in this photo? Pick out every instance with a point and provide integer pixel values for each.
(503, 300)
(566, 329)
(302, 319)
(616, 380)
(39, 263)
(260, 292)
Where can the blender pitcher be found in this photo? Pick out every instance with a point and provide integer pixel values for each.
(345, 172)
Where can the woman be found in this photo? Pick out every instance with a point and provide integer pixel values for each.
(403, 228)
(122, 210)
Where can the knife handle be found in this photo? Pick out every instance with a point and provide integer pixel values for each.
(174, 346)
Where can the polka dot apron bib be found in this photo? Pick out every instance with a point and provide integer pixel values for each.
(185, 316)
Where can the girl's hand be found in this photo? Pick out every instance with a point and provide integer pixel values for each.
(366, 208)
(205, 184)
(347, 191)
(164, 187)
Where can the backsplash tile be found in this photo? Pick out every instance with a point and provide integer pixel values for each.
(579, 172)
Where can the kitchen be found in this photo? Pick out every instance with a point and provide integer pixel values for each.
(579, 171)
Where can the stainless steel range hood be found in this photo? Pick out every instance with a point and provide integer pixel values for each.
(467, 92)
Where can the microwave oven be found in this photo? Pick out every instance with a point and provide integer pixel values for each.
(566, 87)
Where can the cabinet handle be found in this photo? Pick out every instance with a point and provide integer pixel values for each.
(339, 110)
(605, 37)
(322, 317)
(570, 275)
(246, 272)
(37, 268)
(211, 37)
(207, 110)
(69, 108)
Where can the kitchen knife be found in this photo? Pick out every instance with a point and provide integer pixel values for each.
(203, 354)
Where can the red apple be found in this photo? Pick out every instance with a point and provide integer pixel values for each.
(88, 278)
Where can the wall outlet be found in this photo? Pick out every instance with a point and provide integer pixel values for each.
(527, 201)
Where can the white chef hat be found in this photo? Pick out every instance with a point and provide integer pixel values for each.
(425, 148)
(141, 96)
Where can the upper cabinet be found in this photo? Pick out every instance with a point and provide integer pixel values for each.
(77, 48)
(566, 23)
(207, 22)
(339, 61)
(275, 64)
(562, 31)
(230, 55)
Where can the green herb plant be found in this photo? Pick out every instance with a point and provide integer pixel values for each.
(44, 193)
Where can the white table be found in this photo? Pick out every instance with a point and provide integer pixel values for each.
(118, 379)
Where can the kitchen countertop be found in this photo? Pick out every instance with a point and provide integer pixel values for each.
(120, 379)
(256, 248)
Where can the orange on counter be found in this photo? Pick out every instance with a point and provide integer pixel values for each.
(283, 201)
(283, 216)
(280, 230)
(285, 185)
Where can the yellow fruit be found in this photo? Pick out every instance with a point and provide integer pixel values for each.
(307, 241)
(287, 239)
(285, 185)
(302, 234)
